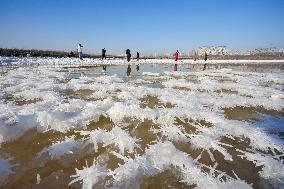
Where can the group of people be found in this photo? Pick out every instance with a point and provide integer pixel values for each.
(128, 54)
(176, 55)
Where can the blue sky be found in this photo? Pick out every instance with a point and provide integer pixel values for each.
(147, 26)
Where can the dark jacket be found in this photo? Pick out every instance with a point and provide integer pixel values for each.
(103, 52)
(128, 52)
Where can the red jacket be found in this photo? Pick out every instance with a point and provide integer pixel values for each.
(176, 56)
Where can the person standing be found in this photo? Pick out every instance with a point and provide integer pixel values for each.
(176, 59)
(137, 57)
(128, 55)
(176, 55)
(195, 56)
(205, 57)
(103, 53)
(80, 51)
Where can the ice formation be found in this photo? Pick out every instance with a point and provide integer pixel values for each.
(171, 109)
(116, 136)
(89, 175)
(38, 179)
(60, 148)
(272, 165)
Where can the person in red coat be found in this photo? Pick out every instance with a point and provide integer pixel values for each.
(176, 59)
(176, 55)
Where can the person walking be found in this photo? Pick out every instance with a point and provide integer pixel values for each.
(176, 59)
(128, 55)
(80, 51)
(205, 57)
(103, 53)
(138, 56)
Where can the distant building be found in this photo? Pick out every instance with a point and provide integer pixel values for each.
(245, 52)
(266, 50)
(212, 50)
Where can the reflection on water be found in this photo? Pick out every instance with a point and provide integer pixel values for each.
(135, 70)
(128, 71)
(104, 68)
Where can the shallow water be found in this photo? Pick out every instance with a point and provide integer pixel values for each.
(146, 127)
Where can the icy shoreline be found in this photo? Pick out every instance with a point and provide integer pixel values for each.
(18, 61)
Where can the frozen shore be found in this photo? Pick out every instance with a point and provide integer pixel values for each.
(117, 128)
(75, 62)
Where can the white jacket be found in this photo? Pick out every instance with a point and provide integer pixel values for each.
(79, 48)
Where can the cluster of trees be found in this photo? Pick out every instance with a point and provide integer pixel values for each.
(38, 53)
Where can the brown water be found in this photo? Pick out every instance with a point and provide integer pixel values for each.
(55, 173)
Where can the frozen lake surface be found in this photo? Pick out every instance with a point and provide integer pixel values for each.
(140, 126)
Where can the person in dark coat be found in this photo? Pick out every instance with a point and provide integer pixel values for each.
(137, 57)
(205, 58)
(128, 55)
(103, 53)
